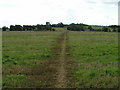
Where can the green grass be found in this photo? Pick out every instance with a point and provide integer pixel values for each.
(100, 28)
(96, 27)
(18, 47)
(94, 54)
(14, 81)
(23, 51)
(96, 57)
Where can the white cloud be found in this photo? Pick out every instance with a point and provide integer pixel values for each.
(55, 11)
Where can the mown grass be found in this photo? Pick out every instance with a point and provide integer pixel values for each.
(96, 59)
(22, 51)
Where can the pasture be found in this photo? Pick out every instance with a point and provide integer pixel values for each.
(60, 59)
(96, 59)
(24, 51)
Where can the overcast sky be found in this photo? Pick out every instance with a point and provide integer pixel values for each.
(32, 12)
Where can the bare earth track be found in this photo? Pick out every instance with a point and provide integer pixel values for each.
(61, 78)
(52, 73)
(68, 65)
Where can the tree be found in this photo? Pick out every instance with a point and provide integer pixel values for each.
(48, 28)
(4, 28)
(18, 28)
(40, 27)
(90, 28)
(105, 29)
(114, 28)
(76, 27)
(48, 24)
(60, 24)
(12, 28)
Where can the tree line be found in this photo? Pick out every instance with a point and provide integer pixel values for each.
(84, 27)
(37, 27)
(72, 27)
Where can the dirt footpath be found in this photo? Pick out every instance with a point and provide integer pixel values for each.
(54, 72)
(61, 78)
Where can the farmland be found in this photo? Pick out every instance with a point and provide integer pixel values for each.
(60, 59)
(23, 52)
(96, 58)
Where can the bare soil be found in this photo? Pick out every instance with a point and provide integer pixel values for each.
(61, 78)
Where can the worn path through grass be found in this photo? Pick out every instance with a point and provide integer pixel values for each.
(52, 72)
(61, 78)
(41, 72)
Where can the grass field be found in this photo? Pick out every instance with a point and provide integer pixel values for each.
(96, 58)
(60, 59)
(96, 27)
(23, 51)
